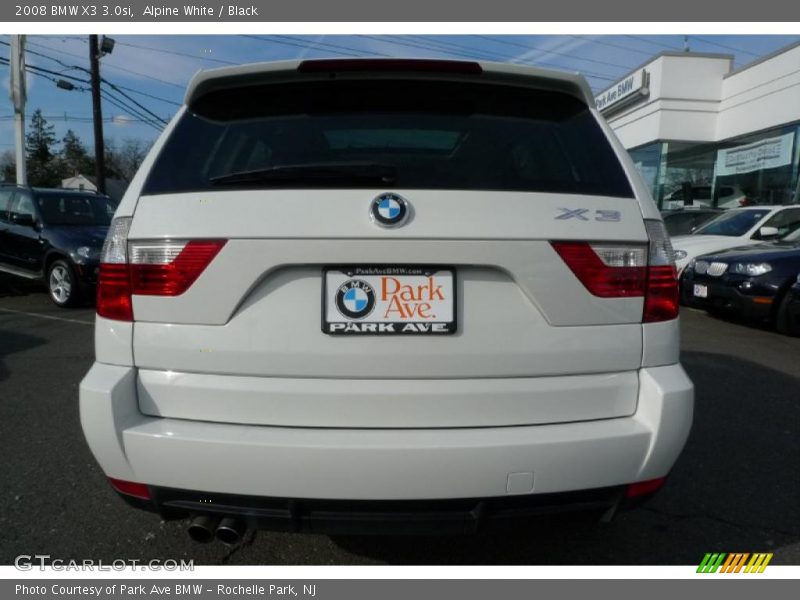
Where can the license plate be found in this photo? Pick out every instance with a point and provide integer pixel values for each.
(701, 291)
(382, 300)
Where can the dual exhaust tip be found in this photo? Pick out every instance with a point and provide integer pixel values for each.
(227, 530)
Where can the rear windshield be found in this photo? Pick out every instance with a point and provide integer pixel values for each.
(388, 133)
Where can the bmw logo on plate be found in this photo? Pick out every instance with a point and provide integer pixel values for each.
(355, 299)
(389, 210)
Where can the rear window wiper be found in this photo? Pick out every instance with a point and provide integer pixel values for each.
(317, 173)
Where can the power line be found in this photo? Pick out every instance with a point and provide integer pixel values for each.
(120, 87)
(476, 55)
(648, 41)
(68, 66)
(176, 53)
(388, 39)
(564, 54)
(47, 74)
(260, 39)
(609, 44)
(707, 41)
(51, 75)
(309, 44)
(139, 105)
(107, 95)
(107, 65)
(543, 63)
(70, 118)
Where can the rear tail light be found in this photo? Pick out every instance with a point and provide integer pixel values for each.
(151, 268)
(644, 488)
(661, 299)
(607, 271)
(628, 270)
(130, 488)
(113, 281)
(169, 268)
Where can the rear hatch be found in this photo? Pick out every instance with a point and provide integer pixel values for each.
(290, 178)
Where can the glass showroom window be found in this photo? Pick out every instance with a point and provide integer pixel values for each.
(648, 162)
(762, 168)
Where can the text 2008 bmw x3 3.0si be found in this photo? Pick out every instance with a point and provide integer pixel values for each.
(376, 295)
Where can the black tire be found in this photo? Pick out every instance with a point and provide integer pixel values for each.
(782, 321)
(62, 284)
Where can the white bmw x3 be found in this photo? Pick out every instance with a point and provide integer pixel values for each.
(385, 295)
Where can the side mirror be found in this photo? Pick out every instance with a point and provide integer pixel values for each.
(23, 220)
(768, 232)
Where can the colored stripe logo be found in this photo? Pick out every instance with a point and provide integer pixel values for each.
(736, 562)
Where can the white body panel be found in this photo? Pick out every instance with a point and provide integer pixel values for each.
(396, 403)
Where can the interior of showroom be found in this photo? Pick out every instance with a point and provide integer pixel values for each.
(702, 132)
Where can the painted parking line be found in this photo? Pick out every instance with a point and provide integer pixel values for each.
(41, 316)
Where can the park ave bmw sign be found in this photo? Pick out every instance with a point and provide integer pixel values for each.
(628, 90)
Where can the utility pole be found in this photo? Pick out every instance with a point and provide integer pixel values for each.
(97, 113)
(18, 98)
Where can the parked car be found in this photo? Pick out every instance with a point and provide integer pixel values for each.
(385, 295)
(789, 321)
(728, 196)
(686, 220)
(737, 227)
(750, 281)
(54, 236)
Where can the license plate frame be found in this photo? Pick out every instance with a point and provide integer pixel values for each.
(700, 290)
(380, 327)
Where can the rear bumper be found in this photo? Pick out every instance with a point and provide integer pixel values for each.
(221, 460)
(386, 517)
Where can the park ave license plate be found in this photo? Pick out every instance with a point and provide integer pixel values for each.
(700, 290)
(399, 300)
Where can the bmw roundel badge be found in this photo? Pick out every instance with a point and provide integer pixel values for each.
(389, 210)
(355, 299)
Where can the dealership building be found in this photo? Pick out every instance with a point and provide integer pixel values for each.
(696, 127)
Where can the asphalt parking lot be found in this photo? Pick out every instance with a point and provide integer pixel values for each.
(735, 488)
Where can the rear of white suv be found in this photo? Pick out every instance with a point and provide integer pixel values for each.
(376, 295)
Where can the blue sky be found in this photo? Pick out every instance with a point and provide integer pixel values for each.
(154, 70)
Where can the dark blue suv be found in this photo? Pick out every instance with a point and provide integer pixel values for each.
(55, 236)
(751, 281)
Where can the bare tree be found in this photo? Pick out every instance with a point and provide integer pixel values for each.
(123, 159)
(8, 166)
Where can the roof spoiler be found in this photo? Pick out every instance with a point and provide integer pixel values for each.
(211, 80)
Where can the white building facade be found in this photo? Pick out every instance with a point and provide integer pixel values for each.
(699, 130)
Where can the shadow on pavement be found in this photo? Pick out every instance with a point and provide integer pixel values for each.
(734, 489)
(17, 286)
(11, 342)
